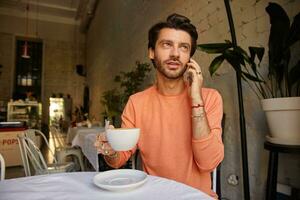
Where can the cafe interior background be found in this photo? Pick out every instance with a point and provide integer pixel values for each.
(77, 47)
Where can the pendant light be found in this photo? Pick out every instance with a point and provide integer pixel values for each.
(25, 50)
(25, 53)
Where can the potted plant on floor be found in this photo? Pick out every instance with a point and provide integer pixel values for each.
(280, 92)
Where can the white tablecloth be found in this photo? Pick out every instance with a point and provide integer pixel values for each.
(89, 150)
(72, 132)
(85, 139)
(79, 186)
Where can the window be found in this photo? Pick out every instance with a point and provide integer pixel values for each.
(28, 73)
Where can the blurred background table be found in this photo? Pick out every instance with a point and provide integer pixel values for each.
(85, 138)
(73, 131)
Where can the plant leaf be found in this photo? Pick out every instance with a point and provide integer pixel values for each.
(294, 33)
(236, 55)
(280, 25)
(233, 60)
(117, 78)
(244, 54)
(215, 64)
(294, 74)
(256, 51)
(251, 77)
(214, 47)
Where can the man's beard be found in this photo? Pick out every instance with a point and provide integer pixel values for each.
(158, 64)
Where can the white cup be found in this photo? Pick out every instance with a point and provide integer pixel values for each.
(122, 139)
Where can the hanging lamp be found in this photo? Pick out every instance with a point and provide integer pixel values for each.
(25, 49)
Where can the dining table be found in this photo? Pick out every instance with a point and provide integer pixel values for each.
(85, 138)
(81, 185)
(74, 131)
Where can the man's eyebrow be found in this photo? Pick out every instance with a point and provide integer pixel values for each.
(184, 43)
(165, 40)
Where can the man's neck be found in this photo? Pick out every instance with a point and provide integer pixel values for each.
(170, 86)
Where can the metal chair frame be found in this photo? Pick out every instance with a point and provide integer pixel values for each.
(30, 152)
(62, 151)
(2, 166)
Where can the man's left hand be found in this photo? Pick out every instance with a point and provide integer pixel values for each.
(195, 73)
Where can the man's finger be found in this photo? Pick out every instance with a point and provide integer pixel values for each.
(111, 126)
(195, 65)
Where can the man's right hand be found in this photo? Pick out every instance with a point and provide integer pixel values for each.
(102, 145)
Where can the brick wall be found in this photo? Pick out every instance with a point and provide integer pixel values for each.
(6, 60)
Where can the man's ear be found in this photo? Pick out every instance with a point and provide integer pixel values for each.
(151, 53)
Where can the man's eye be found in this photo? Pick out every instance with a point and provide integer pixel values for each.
(185, 47)
(166, 44)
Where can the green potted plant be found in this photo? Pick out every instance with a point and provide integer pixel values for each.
(111, 100)
(280, 91)
(283, 107)
(114, 100)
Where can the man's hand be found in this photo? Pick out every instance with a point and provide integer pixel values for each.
(102, 145)
(196, 81)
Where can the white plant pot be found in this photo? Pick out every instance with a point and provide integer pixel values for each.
(283, 118)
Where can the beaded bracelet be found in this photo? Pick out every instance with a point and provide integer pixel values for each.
(114, 155)
(198, 105)
(201, 115)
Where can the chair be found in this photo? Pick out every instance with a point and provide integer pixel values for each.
(62, 150)
(30, 152)
(2, 166)
(216, 174)
(32, 134)
(136, 160)
(214, 180)
(24, 157)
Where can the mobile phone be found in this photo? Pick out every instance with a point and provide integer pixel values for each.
(188, 76)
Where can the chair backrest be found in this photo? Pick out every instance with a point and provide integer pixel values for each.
(24, 156)
(2, 166)
(216, 174)
(33, 154)
(214, 180)
(32, 133)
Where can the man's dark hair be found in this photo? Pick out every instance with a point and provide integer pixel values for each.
(177, 22)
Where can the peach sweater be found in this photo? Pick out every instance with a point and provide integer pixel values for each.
(166, 144)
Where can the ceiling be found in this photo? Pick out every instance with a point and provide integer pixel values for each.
(59, 11)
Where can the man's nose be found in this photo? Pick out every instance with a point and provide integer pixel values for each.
(175, 52)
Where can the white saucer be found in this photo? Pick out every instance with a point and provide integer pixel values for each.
(120, 179)
(281, 141)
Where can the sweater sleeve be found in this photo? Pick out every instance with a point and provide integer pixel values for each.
(209, 151)
(128, 121)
